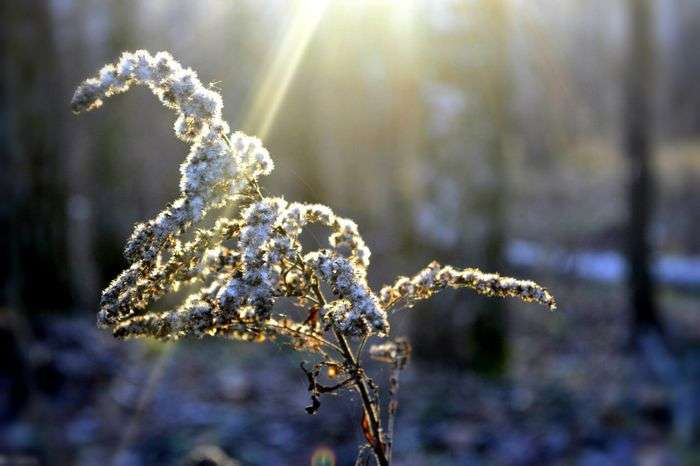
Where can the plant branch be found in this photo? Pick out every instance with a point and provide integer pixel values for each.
(301, 333)
(393, 407)
(370, 404)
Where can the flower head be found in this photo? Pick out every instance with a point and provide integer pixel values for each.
(245, 263)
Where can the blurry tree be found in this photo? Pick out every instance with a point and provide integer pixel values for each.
(107, 160)
(94, 166)
(33, 215)
(489, 332)
(353, 114)
(684, 65)
(6, 208)
(367, 113)
(638, 146)
(405, 118)
(470, 174)
(322, 159)
(80, 229)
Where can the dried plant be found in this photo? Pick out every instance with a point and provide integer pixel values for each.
(239, 268)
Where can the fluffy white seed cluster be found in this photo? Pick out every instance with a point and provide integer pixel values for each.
(357, 310)
(265, 265)
(433, 278)
(240, 267)
(214, 171)
(270, 248)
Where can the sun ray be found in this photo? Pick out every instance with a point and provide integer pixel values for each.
(275, 82)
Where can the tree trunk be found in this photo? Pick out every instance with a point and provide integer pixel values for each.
(471, 156)
(35, 209)
(638, 149)
(489, 332)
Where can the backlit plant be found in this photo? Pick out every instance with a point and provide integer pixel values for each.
(242, 266)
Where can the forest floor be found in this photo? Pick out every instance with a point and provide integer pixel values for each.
(574, 395)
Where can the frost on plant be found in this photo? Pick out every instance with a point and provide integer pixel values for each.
(240, 267)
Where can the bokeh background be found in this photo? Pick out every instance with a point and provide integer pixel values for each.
(557, 140)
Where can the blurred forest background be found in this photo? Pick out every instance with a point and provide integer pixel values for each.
(557, 140)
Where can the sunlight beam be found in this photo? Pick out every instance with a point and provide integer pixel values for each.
(276, 80)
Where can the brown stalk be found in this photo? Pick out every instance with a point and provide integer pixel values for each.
(370, 404)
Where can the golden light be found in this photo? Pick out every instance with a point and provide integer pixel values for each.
(332, 372)
(323, 456)
(275, 79)
(279, 74)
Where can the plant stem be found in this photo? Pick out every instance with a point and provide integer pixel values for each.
(393, 407)
(313, 336)
(370, 405)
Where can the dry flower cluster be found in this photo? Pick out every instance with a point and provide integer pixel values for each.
(242, 265)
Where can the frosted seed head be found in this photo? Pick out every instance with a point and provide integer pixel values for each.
(188, 128)
(206, 104)
(144, 66)
(126, 66)
(88, 96)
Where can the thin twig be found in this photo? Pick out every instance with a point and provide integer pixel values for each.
(361, 349)
(301, 333)
(393, 407)
(370, 404)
